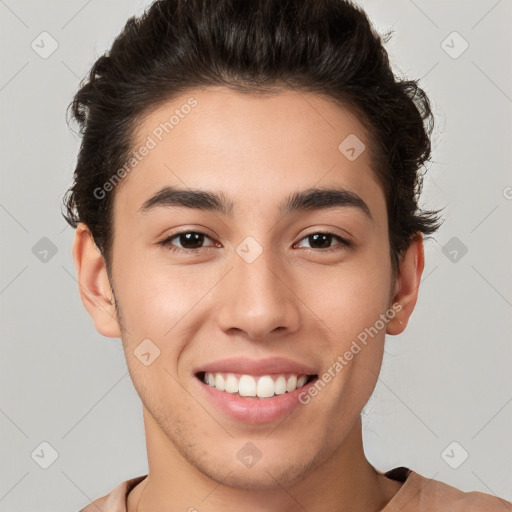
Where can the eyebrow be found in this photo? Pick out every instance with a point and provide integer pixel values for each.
(310, 199)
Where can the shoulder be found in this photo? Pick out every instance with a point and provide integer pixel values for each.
(419, 493)
(114, 501)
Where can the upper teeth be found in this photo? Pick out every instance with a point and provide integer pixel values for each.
(247, 385)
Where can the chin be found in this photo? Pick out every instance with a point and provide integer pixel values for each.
(261, 477)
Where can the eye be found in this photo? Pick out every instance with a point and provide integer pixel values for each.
(187, 238)
(324, 239)
(190, 240)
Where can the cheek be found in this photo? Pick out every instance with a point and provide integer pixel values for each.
(349, 297)
(352, 302)
(164, 303)
(153, 294)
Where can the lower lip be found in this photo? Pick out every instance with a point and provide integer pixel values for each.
(255, 410)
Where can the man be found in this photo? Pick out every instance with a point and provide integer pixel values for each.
(246, 222)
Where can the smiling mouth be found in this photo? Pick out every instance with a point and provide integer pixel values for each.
(257, 387)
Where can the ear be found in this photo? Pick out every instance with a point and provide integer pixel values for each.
(93, 283)
(407, 285)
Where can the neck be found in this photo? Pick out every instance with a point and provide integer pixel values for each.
(342, 482)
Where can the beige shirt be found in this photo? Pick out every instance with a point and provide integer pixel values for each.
(417, 494)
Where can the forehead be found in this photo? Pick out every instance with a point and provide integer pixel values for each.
(256, 148)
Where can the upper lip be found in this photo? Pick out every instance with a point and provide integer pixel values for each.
(244, 365)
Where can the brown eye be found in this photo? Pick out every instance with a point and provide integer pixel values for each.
(322, 241)
(191, 241)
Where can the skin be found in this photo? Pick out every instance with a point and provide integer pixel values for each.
(305, 305)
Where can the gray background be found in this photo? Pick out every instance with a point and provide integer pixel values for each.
(446, 379)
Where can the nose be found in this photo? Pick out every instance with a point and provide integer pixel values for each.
(257, 297)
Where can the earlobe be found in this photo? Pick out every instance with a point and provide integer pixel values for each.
(93, 283)
(407, 285)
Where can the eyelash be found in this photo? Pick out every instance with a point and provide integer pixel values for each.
(344, 244)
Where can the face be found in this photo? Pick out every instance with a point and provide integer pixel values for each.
(256, 282)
